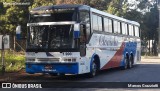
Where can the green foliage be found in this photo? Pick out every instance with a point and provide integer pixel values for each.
(14, 62)
(38, 3)
(117, 7)
(12, 16)
(1, 7)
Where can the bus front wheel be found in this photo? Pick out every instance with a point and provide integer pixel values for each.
(93, 70)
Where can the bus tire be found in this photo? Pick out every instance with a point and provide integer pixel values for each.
(130, 64)
(125, 64)
(93, 70)
(61, 75)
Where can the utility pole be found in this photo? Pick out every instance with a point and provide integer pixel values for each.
(158, 5)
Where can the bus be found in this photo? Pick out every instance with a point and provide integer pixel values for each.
(78, 39)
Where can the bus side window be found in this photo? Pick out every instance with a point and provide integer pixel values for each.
(130, 30)
(85, 19)
(137, 31)
(95, 22)
(107, 25)
(110, 26)
(124, 28)
(99, 23)
(115, 24)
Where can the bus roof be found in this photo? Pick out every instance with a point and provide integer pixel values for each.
(62, 6)
(66, 6)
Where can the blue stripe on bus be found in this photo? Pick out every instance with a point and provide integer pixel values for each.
(70, 68)
(76, 34)
(130, 47)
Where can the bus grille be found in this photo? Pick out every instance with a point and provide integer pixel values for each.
(48, 59)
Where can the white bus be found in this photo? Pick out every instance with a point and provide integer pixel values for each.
(78, 39)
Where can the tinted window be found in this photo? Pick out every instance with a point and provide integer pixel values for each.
(131, 30)
(58, 15)
(124, 29)
(107, 25)
(99, 23)
(95, 22)
(84, 18)
(117, 27)
(110, 25)
(136, 31)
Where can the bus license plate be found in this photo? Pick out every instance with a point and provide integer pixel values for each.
(47, 67)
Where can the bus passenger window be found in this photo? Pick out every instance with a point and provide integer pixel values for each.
(99, 23)
(137, 31)
(106, 24)
(110, 26)
(117, 28)
(124, 28)
(131, 30)
(95, 25)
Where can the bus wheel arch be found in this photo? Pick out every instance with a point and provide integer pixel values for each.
(97, 61)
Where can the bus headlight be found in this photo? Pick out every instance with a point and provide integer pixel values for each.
(30, 59)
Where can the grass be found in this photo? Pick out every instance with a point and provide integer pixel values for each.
(13, 61)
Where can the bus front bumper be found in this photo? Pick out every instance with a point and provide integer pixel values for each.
(65, 68)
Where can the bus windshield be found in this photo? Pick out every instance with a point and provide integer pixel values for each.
(54, 16)
(51, 37)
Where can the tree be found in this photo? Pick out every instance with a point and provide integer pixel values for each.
(1, 7)
(117, 7)
(146, 13)
(38, 3)
(99, 4)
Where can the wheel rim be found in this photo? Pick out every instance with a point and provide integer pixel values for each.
(94, 69)
(126, 63)
(130, 63)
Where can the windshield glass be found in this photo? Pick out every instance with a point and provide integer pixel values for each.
(54, 37)
(54, 16)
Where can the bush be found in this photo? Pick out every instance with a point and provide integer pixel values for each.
(13, 61)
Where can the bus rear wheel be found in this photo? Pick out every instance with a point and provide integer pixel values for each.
(130, 65)
(93, 70)
(125, 64)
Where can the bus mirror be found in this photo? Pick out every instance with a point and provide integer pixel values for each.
(18, 32)
(82, 50)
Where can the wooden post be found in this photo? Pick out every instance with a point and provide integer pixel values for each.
(2, 56)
